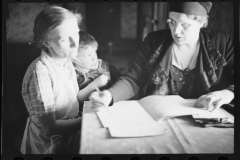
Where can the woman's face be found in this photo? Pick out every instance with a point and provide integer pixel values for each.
(64, 41)
(87, 58)
(184, 29)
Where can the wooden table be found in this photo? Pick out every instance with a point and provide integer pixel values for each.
(184, 136)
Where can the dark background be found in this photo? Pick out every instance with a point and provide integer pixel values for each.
(119, 27)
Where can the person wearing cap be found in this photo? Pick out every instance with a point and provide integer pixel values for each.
(186, 60)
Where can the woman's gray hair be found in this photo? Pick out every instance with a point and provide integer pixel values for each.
(201, 19)
(46, 22)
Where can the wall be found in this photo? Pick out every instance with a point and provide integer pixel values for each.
(79, 8)
(20, 21)
(128, 20)
(21, 16)
(221, 17)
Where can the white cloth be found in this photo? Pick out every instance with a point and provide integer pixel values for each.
(65, 90)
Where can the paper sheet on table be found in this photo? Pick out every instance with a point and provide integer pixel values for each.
(152, 108)
(139, 130)
(220, 113)
(132, 116)
(163, 107)
(124, 113)
(129, 119)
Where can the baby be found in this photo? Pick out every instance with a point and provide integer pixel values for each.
(92, 72)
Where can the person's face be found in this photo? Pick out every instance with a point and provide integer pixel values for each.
(184, 29)
(87, 58)
(64, 41)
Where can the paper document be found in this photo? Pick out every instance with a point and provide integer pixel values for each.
(124, 113)
(129, 119)
(139, 130)
(219, 113)
(163, 107)
(143, 117)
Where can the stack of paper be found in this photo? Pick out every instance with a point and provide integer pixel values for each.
(129, 119)
(144, 117)
(217, 118)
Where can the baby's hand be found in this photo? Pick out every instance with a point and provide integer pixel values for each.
(101, 81)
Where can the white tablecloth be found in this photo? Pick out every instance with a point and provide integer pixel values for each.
(184, 136)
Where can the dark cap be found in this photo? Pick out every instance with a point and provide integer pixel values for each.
(191, 8)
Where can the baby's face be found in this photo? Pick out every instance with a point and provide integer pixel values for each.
(88, 58)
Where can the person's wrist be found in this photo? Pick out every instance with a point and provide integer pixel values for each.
(111, 102)
(229, 92)
(228, 95)
(110, 98)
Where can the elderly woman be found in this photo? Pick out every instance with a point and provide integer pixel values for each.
(50, 89)
(187, 60)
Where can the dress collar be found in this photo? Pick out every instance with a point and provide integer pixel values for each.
(81, 70)
(85, 71)
(177, 60)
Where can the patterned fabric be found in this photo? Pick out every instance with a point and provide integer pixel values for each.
(187, 85)
(37, 90)
(104, 67)
(161, 76)
(48, 88)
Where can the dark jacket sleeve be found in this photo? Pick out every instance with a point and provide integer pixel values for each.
(114, 73)
(136, 77)
(110, 71)
(226, 74)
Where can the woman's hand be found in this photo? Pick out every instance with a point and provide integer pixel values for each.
(101, 81)
(100, 100)
(214, 100)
